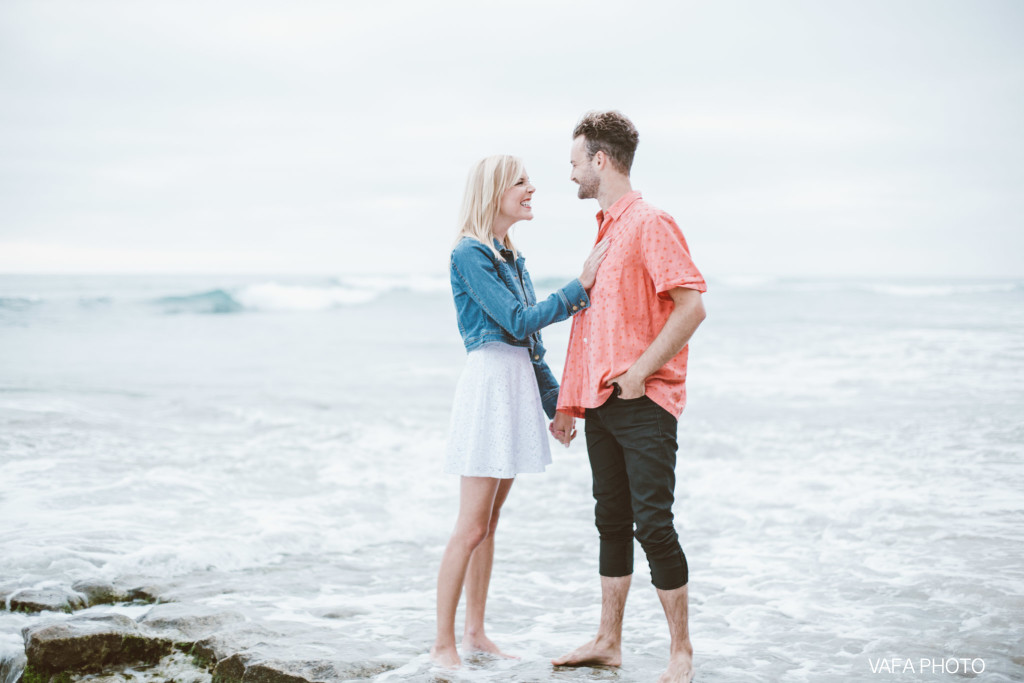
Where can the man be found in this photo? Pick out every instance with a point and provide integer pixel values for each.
(625, 372)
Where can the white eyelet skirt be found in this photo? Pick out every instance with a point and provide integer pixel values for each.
(498, 426)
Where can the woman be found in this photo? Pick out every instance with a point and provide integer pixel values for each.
(497, 429)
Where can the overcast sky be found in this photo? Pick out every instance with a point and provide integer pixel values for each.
(876, 138)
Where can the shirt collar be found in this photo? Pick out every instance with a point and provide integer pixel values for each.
(619, 207)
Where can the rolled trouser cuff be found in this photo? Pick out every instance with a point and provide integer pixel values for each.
(616, 558)
(669, 573)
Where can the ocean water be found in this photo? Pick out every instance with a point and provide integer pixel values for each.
(850, 477)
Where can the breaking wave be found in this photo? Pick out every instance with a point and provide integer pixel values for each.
(273, 296)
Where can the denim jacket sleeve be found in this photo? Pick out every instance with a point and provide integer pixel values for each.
(546, 382)
(473, 263)
(548, 386)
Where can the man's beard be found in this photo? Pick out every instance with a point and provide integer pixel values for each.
(589, 187)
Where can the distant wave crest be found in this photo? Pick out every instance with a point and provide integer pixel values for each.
(18, 303)
(273, 296)
(214, 301)
(268, 296)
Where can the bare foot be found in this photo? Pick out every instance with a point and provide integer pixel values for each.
(680, 669)
(481, 643)
(446, 656)
(595, 653)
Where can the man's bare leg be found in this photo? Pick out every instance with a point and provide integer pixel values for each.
(680, 663)
(606, 648)
(478, 579)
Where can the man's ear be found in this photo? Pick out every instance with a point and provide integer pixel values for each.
(600, 159)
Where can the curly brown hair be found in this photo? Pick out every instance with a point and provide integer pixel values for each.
(609, 132)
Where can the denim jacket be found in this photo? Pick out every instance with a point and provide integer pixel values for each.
(495, 302)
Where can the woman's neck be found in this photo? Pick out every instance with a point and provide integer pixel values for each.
(500, 229)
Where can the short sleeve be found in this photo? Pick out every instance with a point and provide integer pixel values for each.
(667, 257)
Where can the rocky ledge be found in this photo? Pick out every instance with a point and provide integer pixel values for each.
(89, 644)
(79, 596)
(199, 644)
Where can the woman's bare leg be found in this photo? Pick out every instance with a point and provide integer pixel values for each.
(476, 501)
(478, 579)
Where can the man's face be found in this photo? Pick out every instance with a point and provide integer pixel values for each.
(583, 173)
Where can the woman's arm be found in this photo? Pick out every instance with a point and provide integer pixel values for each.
(548, 386)
(473, 264)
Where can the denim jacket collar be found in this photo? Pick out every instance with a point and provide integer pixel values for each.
(505, 251)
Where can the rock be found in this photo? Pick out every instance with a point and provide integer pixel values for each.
(265, 663)
(245, 652)
(277, 671)
(174, 668)
(12, 663)
(90, 643)
(272, 672)
(187, 623)
(229, 670)
(144, 594)
(99, 592)
(230, 640)
(46, 600)
(249, 669)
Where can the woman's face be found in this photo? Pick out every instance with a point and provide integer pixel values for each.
(515, 203)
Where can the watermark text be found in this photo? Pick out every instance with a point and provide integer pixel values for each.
(926, 665)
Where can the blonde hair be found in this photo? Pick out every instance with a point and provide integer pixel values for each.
(481, 202)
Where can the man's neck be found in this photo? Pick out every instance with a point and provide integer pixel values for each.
(612, 190)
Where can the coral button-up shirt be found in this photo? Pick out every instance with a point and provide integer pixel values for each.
(629, 305)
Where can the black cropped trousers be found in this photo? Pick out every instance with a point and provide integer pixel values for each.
(632, 448)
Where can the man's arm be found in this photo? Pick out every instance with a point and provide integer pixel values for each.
(680, 326)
